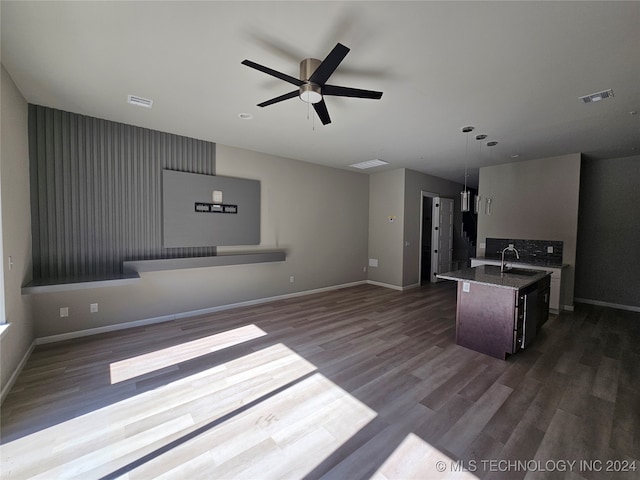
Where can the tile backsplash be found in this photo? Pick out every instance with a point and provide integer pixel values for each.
(531, 251)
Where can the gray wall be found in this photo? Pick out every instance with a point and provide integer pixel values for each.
(386, 199)
(535, 199)
(96, 192)
(16, 227)
(398, 193)
(609, 232)
(317, 214)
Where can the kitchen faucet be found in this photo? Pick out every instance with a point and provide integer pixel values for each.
(510, 249)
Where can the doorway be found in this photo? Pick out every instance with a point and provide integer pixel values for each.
(436, 236)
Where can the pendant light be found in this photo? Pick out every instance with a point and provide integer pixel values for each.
(476, 203)
(465, 199)
(488, 206)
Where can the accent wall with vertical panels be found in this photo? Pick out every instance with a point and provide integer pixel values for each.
(96, 192)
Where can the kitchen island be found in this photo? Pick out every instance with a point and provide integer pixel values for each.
(499, 313)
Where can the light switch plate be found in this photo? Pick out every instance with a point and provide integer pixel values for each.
(64, 311)
(466, 287)
(549, 249)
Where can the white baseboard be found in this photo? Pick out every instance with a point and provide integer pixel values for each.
(248, 303)
(385, 285)
(629, 308)
(393, 287)
(181, 315)
(16, 372)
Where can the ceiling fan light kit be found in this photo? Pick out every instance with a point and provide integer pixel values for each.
(310, 93)
(312, 86)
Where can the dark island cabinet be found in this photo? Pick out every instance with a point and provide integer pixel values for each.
(500, 321)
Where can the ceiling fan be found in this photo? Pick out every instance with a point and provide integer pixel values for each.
(312, 84)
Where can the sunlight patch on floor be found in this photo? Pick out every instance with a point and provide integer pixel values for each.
(149, 362)
(286, 436)
(115, 434)
(416, 459)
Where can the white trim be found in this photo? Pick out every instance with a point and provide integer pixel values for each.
(16, 372)
(108, 328)
(247, 303)
(630, 308)
(393, 287)
(385, 285)
(193, 313)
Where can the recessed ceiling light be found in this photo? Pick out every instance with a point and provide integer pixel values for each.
(245, 116)
(515, 155)
(492, 143)
(139, 101)
(633, 112)
(482, 136)
(369, 164)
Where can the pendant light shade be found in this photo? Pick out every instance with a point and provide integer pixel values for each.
(465, 195)
(465, 199)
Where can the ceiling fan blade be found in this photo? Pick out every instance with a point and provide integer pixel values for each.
(337, 91)
(323, 113)
(269, 71)
(329, 64)
(286, 96)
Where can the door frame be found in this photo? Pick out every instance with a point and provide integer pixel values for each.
(424, 194)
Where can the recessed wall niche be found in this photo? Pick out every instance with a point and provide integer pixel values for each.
(96, 192)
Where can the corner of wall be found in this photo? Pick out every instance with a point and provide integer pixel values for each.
(17, 341)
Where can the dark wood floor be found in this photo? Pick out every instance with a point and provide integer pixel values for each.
(362, 382)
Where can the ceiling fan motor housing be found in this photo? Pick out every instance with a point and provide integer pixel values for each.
(312, 84)
(309, 92)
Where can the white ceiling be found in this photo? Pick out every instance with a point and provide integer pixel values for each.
(514, 70)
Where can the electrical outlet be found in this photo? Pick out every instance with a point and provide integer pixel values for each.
(93, 308)
(550, 249)
(373, 262)
(64, 311)
(364, 269)
(291, 279)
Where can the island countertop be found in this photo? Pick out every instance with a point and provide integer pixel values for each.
(491, 275)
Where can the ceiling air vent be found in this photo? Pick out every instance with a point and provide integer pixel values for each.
(369, 164)
(596, 97)
(139, 101)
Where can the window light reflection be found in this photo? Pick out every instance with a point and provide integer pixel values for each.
(166, 357)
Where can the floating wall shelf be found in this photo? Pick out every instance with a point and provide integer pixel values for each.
(133, 269)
